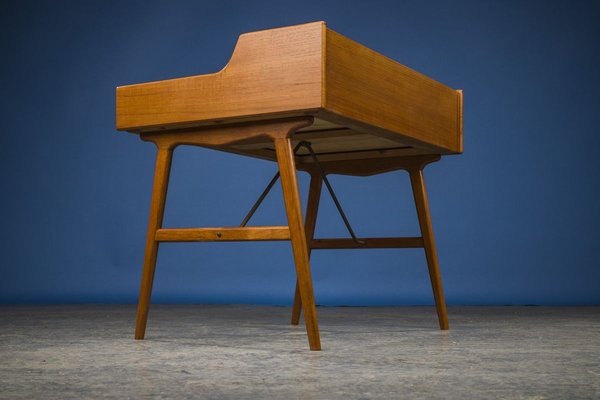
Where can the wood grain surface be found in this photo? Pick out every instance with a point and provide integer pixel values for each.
(229, 234)
(270, 72)
(361, 100)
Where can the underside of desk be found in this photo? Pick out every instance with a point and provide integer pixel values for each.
(332, 141)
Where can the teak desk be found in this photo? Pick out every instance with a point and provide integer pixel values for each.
(311, 100)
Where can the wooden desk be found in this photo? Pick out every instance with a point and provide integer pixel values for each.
(285, 93)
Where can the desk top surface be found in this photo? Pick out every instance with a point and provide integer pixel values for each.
(361, 101)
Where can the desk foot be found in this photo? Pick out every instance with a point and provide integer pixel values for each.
(420, 194)
(291, 197)
(157, 207)
(314, 197)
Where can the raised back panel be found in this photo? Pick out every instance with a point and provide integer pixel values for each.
(363, 85)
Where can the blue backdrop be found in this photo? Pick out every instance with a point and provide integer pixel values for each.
(516, 216)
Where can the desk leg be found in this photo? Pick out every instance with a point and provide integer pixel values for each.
(157, 207)
(291, 197)
(420, 194)
(312, 207)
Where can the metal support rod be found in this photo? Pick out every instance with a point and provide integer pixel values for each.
(260, 200)
(265, 192)
(263, 195)
(330, 189)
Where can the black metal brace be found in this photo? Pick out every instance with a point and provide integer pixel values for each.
(308, 146)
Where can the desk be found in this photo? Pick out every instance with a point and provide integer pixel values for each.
(310, 100)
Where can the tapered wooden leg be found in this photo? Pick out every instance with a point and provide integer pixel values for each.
(157, 206)
(291, 196)
(312, 208)
(420, 194)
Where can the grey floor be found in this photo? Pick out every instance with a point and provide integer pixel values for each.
(246, 352)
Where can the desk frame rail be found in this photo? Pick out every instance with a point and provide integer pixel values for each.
(299, 231)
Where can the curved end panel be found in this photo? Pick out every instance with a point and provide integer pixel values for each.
(275, 72)
(279, 46)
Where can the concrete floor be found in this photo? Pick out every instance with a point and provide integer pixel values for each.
(245, 352)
